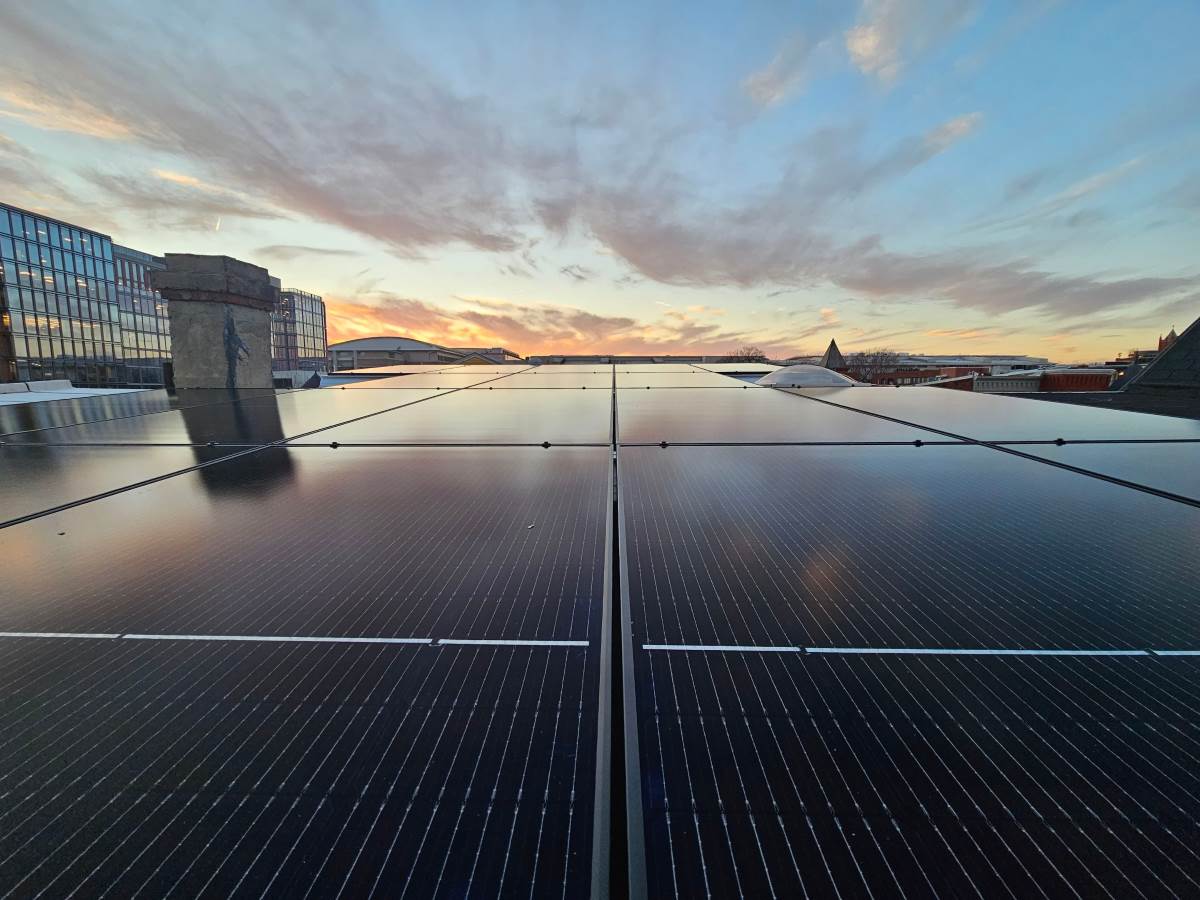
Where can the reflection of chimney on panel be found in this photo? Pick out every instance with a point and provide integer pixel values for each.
(220, 311)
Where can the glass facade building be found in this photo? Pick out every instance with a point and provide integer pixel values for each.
(298, 337)
(73, 306)
(145, 327)
(58, 303)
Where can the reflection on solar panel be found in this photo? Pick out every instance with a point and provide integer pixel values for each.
(820, 643)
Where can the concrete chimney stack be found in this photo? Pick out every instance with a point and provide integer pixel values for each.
(220, 311)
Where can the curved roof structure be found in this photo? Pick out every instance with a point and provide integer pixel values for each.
(805, 375)
(384, 343)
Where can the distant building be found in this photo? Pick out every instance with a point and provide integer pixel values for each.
(372, 352)
(145, 326)
(484, 356)
(906, 376)
(994, 365)
(832, 358)
(1062, 379)
(298, 334)
(1168, 385)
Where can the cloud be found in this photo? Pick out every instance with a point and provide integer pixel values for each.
(181, 178)
(783, 75)
(889, 33)
(1085, 218)
(1067, 197)
(176, 204)
(25, 181)
(70, 114)
(998, 288)
(375, 141)
(577, 273)
(384, 150)
(288, 252)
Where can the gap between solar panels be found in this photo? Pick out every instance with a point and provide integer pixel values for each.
(1002, 447)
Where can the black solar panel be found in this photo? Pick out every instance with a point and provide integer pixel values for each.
(856, 652)
(756, 414)
(260, 420)
(993, 418)
(330, 669)
(38, 477)
(48, 416)
(769, 774)
(482, 416)
(1173, 467)
(294, 769)
(845, 678)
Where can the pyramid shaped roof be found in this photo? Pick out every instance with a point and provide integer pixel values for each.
(833, 358)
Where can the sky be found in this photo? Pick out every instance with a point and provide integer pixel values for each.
(931, 176)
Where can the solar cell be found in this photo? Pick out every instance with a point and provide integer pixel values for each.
(309, 671)
(59, 413)
(402, 369)
(684, 378)
(36, 478)
(737, 367)
(746, 416)
(436, 380)
(501, 543)
(654, 368)
(986, 417)
(1173, 467)
(786, 747)
(295, 769)
(788, 775)
(902, 547)
(535, 378)
(261, 420)
(483, 416)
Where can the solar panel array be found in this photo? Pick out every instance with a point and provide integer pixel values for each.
(455, 633)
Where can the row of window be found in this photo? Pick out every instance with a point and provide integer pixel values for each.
(43, 279)
(90, 372)
(39, 301)
(18, 252)
(65, 237)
